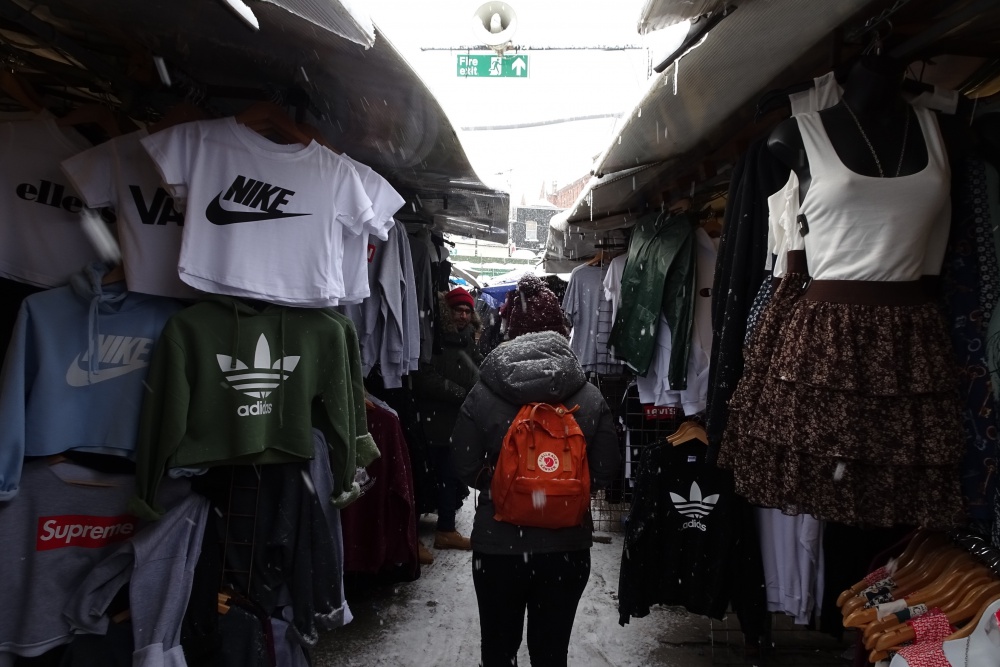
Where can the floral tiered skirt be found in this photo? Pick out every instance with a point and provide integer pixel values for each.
(848, 408)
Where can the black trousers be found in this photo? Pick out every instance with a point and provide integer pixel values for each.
(548, 586)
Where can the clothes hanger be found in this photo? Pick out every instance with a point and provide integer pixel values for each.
(921, 541)
(986, 598)
(263, 116)
(182, 112)
(912, 577)
(969, 613)
(20, 91)
(313, 133)
(694, 431)
(945, 590)
(952, 600)
(681, 430)
(96, 114)
(596, 259)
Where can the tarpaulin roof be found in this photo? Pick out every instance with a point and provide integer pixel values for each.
(345, 18)
(367, 102)
(703, 97)
(658, 14)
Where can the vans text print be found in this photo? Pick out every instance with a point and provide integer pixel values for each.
(696, 507)
(259, 381)
(252, 194)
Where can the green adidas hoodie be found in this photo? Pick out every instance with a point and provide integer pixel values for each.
(230, 384)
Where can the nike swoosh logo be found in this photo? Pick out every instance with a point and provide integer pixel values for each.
(80, 377)
(220, 216)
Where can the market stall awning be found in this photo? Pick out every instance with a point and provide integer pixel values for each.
(702, 98)
(345, 18)
(367, 102)
(659, 14)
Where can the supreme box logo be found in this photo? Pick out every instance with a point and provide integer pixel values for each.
(78, 530)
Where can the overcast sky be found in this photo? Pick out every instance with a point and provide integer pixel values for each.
(561, 84)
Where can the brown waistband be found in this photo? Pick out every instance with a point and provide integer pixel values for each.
(797, 261)
(868, 292)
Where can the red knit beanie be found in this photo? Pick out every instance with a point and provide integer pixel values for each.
(459, 297)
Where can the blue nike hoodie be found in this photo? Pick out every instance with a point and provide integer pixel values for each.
(74, 371)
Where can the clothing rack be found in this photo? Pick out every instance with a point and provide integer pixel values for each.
(233, 578)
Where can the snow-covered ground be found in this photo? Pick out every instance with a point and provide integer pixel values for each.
(434, 621)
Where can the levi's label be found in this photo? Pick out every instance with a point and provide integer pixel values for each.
(665, 412)
(78, 530)
(371, 252)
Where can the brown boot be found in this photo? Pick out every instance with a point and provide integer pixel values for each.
(452, 540)
(424, 555)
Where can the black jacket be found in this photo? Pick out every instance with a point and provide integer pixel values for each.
(537, 367)
(439, 387)
(685, 536)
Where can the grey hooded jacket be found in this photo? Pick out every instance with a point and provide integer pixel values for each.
(533, 367)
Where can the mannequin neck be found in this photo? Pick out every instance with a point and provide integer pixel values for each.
(873, 87)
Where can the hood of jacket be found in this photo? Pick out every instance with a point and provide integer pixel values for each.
(447, 323)
(101, 299)
(534, 367)
(241, 308)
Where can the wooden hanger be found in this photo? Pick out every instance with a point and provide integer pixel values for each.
(262, 117)
(596, 259)
(183, 112)
(984, 597)
(938, 593)
(223, 603)
(96, 114)
(920, 537)
(971, 581)
(913, 576)
(20, 91)
(687, 432)
(969, 613)
(313, 133)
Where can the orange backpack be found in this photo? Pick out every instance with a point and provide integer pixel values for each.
(542, 478)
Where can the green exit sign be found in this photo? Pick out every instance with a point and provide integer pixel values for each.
(491, 66)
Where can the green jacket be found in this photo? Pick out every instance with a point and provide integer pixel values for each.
(439, 387)
(659, 277)
(230, 384)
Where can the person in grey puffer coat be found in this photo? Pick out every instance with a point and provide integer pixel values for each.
(518, 568)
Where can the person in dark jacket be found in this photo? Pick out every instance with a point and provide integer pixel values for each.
(519, 568)
(439, 388)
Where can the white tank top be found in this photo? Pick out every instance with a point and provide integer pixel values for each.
(871, 228)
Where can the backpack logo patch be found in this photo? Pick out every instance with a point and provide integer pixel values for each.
(548, 462)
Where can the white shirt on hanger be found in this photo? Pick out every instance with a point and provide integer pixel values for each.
(41, 237)
(263, 220)
(119, 174)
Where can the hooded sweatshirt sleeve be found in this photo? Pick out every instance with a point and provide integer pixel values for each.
(602, 450)
(468, 451)
(367, 450)
(163, 421)
(15, 383)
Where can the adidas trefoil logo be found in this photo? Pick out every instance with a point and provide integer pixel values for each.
(259, 381)
(695, 508)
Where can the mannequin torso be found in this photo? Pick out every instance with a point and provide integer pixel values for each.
(872, 92)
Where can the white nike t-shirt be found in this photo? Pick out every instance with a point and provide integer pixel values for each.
(119, 174)
(41, 237)
(262, 220)
(357, 252)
